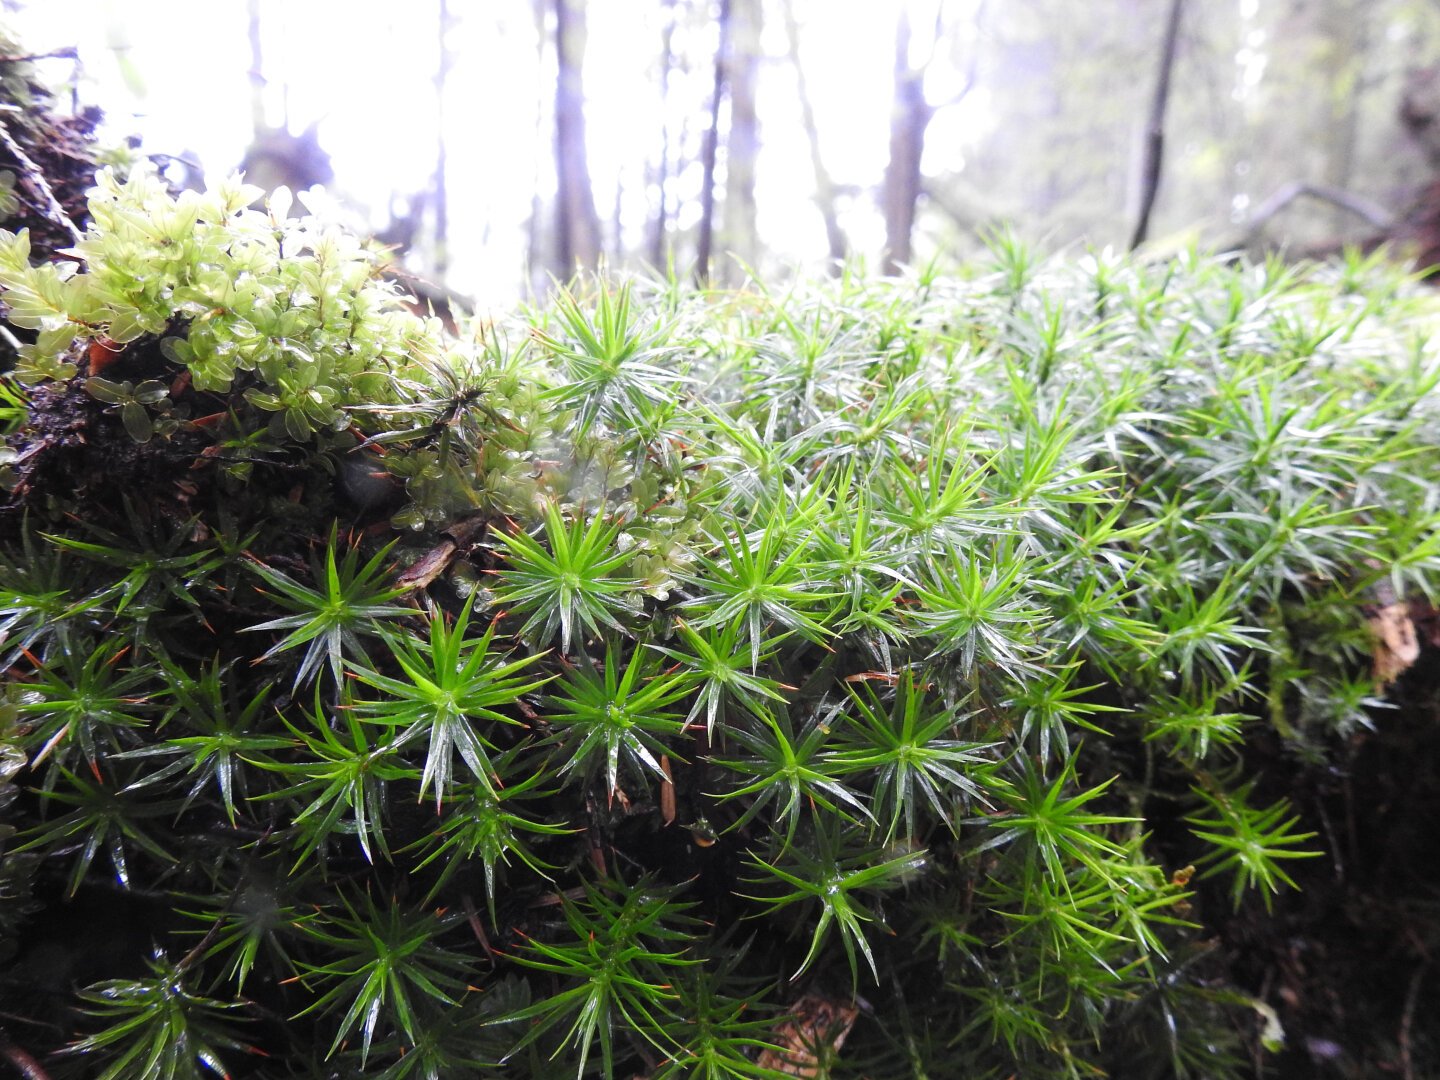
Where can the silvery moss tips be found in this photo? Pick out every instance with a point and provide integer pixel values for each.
(910, 639)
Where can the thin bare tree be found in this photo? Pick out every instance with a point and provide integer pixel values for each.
(742, 135)
(441, 195)
(659, 224)
(1154, 158)
(709, 151)
(257, 67)
(910, 117)
(1346, 27)
(825, 201)
(577, 224)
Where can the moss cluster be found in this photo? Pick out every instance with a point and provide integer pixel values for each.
(617, 688)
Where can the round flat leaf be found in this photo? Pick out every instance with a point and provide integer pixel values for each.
(137, 421)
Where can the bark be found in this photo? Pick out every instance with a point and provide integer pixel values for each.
(824, 184)
(742, 136)
(577, 226)
(910, 116)
(710, 151)
(1155, 126)
(35, 177)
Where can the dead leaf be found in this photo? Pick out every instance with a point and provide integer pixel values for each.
(816, 1027)
(103, 352)
(1396, 646)
(667, 792)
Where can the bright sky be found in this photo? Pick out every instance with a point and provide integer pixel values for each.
(176, 72)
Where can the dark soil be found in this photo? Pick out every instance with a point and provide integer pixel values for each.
(1348, 961)
(61, 144)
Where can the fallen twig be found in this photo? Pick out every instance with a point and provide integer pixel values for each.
(67, 53)
(1407, 1020)
(434, 562)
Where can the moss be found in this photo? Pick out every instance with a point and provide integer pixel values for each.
(602, 688)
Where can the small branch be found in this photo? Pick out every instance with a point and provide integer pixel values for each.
(967, 208)
(1372, 213)
(972, 64)
(68, 53)
(1155, 127)
(956, 98)
(53, 210)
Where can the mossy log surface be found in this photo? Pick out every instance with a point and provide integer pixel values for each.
(1004, 673)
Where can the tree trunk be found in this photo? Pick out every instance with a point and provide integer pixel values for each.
(709, 151)
(909, 118)
(742, 137)
(577, 225)
(824, 185)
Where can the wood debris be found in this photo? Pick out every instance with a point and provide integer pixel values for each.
(813, 1033)
(435, 561)
(1396, 645)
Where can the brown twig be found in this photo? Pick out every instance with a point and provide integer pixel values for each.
(53, 210)
(433, 563)
(1407, 1020)
(477, 927)
(26, 1065)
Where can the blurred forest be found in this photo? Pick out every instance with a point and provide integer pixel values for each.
(542, 136)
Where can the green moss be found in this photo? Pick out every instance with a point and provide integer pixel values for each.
(877, 638)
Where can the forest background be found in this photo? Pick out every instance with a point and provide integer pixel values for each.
(501, 145)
